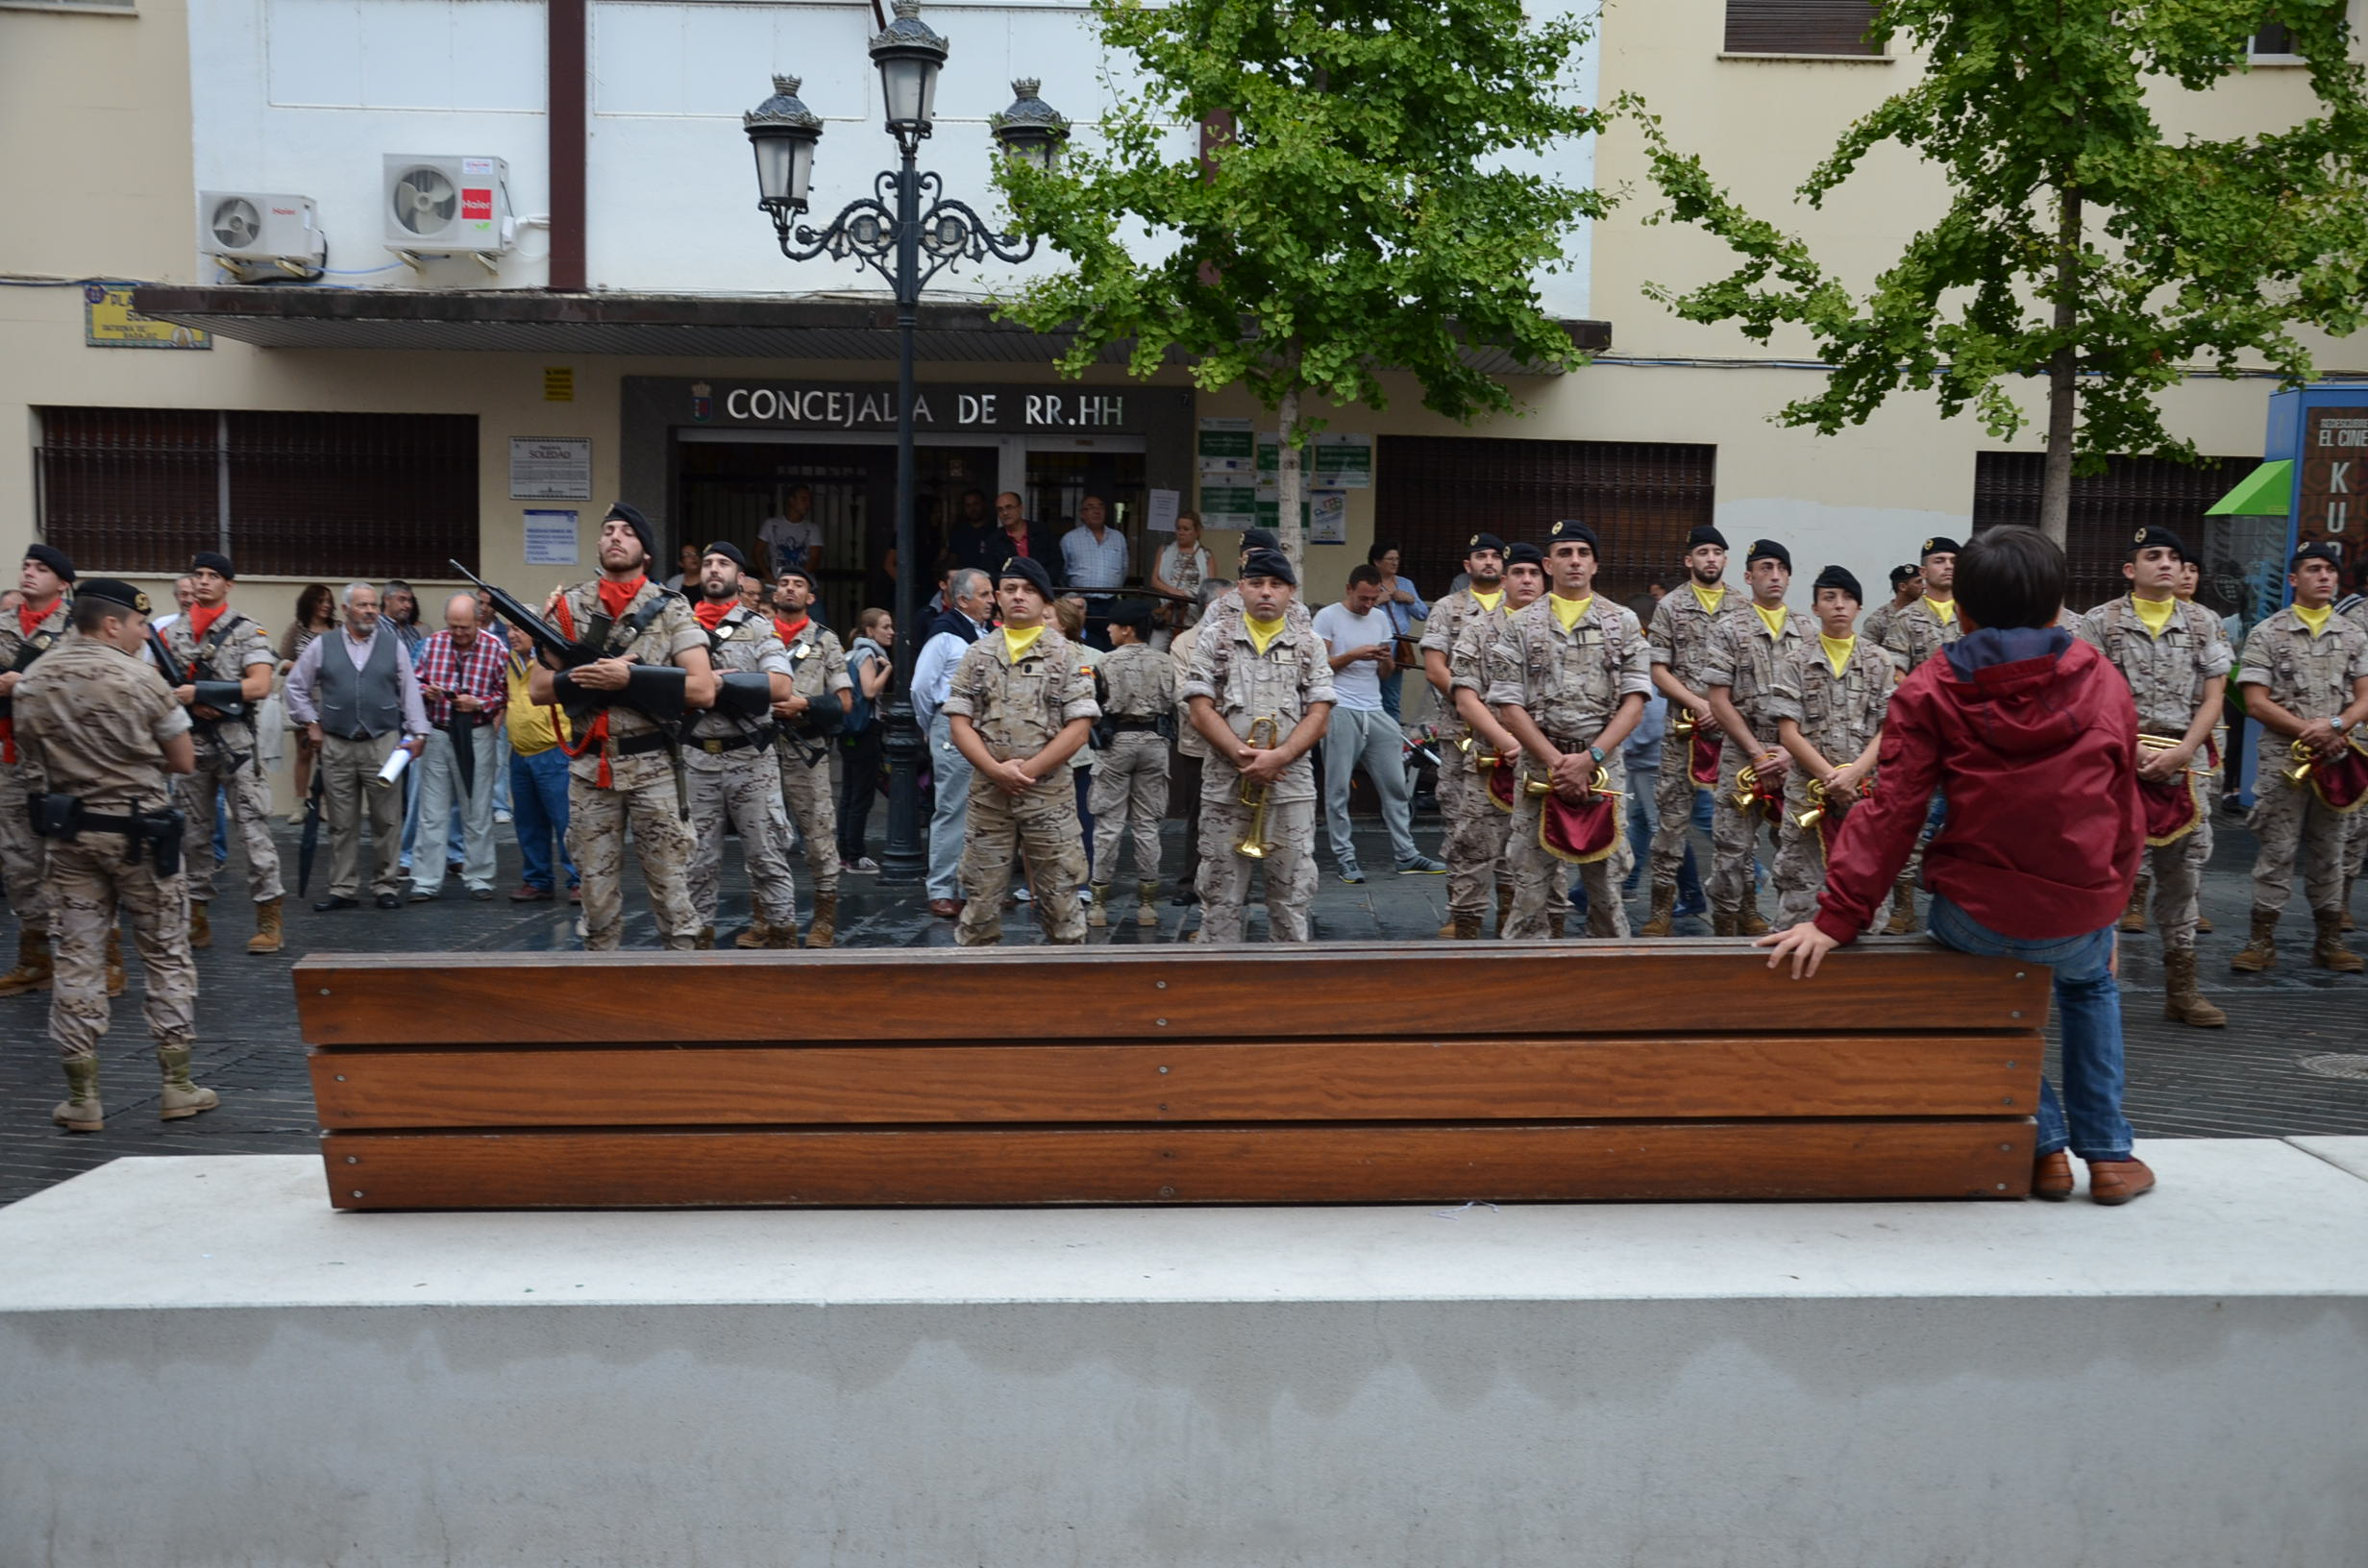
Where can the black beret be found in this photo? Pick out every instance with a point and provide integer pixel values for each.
(1524, 554)
(1484, 541)
(729, 551)
(1835, 577)
(1270, 563)
(1769, 550)
(115, 591)
(1901, 574)
(2318, 549)
(1704, 535)
(803, 571)
(1939, 544)
(51, 556)
(1259, 539)
(1568, 528)
(1027, 570)
(206, 560)
(2156, 537)
(630, 516)
(1134, 613)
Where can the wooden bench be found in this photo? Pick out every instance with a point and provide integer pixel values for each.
(1351, 1073)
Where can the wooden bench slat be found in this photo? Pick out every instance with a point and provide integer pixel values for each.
(1110, 994)
(1933, 1075)
(1292, 1164)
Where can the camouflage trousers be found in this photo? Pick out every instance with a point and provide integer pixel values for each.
(745, 792)
(21, 852)
(249, 801)
(1800, 852)
(1541, 880)
(805, 788)
(1223, 878)
(2292, 823)
(1129, 794)
(1734, 836)
(1043, 826)
(1474, 848)
(596, 823)
(1673, 804)
(89, 880)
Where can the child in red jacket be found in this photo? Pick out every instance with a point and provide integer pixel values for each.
(2033, 737)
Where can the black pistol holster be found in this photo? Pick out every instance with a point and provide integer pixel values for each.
(62, 816)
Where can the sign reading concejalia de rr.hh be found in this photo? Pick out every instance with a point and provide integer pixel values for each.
(938, 409)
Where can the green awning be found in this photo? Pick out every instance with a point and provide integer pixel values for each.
(2268, 491)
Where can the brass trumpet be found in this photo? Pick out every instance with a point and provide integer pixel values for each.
(2304, 760)
(1816, 814)
(1600, 784)
(1746, 786)
(1264, 733)
(1683, 723)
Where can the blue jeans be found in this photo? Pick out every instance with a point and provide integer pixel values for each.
(2088, 1119)
(538, 811)
(1644, 820)
(949, 818)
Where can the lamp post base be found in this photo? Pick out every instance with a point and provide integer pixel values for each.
(906, 857)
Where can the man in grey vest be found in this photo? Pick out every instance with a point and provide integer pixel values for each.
(357, 698)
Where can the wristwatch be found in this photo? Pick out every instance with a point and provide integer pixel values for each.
(1596, 754)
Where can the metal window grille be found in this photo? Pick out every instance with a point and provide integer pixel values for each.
(2108, 509)
(1642, 497)
(1799, 27)
(283, 494)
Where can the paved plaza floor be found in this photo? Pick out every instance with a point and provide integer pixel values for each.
(2293, 1061)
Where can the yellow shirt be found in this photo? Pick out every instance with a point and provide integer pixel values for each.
(1017, 643)
(1709, 599)
(1488, 602)
(1837, 649)
(1773, 620)
(2155, 613)
(533, 727)
(1261, 634)
(1567, 611)
(2316, 620)
(1945, 608)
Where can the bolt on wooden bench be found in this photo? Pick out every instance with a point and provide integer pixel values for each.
(1353, 1073)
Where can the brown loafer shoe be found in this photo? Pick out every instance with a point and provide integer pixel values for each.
(2118, 1181)
(2051, 1177)
(946, 908)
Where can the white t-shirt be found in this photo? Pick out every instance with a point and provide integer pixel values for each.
(1355, 685)
(790, 544)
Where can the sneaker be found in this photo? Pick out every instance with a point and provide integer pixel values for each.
(1085, 895)
(500, 816)
(1020, 895)
(860, 865)
(1352, 874)
(1422, 866)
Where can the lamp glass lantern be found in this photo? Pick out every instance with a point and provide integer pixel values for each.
(1030, 131)
(783, 134)
(909, 56)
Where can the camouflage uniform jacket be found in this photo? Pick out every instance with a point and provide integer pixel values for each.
(672, 633)
(1243, 685)
(1444, 632)
(1571, 682)
(1837, 714)
(1876, 627)
(1473, 662)
(743, 640)
(2308, 677)
(92, 718)
(1685, 636)
(1747, 659)
(240, 648)
(2168, 675)
(1139, 681)
(47, 633)
(1918, 632)
(1018, 707)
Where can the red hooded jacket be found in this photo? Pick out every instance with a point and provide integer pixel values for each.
(2033, 737)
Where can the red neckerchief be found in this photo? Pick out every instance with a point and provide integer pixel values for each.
(614, 598)
(789, 629)
(29, 619)
(617, 596)
(711, 611)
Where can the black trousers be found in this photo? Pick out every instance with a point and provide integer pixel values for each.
(860, 765)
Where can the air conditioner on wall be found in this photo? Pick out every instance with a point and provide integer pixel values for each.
(249, 231)
(447, 206)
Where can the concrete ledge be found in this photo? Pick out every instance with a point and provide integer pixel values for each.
(206, 1365)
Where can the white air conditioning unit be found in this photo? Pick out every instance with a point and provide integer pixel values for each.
(439, 206)
(245, 229)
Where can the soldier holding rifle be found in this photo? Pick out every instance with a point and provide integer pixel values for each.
(820, 694)
(731, 758)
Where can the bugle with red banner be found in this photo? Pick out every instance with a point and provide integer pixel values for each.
(2340, 781)
(1579, 833)
(1703, 746)
(2173, 805)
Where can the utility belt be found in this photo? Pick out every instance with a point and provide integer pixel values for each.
(62, 816)
(717, 745)
(1570, 743)
(1123, 725)
(642, 745)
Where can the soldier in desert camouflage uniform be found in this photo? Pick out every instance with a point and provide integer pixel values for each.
(1471, 672)
(1131, 774)
(1259, 664)
(1827, 706)
(1020, 706)
(211, 642)
(730, 757)
(1915, 634)
(1745, 661)
(622, 764)
(822, 694)
(104, 729)
(1476, 829)
(25, 635)
(1682, 640)
(1906, 587)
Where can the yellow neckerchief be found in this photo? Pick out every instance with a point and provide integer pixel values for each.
(1569, 611)
(1709, 599)
(1261, 634)
(1488, 602)
(1775, 622)
(1837, 649)
(1945, 608)
(2155, 613)
(1017, 643)
(2313, 621)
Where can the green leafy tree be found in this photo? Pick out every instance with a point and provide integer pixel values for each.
(2083, 242)
(1364, 210)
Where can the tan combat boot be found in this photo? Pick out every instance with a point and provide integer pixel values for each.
(781, 935)
(2181, 1002)
(114, 961)
(2261, 951)
(1555, 924)
(1750, 923)
(2330, 953)
(32, 967)
(2133, 918)
(1099, 914)
(1147, 907)
(823, 930)
(267, 937)
(179, 1097)
(201, 927)
(1902, 923)
(1722, 923)
(1664, 911)
(2203, 927)
(757, 934)
(705, 941)
(79, 1111)
(1463, 928)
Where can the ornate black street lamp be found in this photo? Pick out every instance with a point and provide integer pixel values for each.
(890, 233)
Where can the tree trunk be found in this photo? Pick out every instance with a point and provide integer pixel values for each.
(2062, 375)
(1288, 486)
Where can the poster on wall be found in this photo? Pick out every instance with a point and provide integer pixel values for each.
(109, 322)
(1160, 514)
(1341, 461)
(1327, 518)
(551, 537)
(1226, 446)
(2334, 478)
(550, 468)
(1228, 505)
